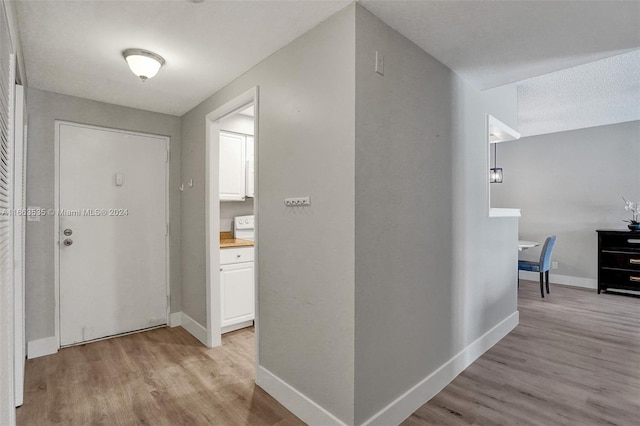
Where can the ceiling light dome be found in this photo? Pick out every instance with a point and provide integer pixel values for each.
(143, 63)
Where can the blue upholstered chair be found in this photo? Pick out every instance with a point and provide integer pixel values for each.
(541, 266)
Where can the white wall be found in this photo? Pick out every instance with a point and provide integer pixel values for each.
(569, 184)
(306, 260)
(43, 109)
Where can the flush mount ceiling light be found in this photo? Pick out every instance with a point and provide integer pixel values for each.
(143, 63)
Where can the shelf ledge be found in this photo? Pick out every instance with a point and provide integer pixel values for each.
(493, 212)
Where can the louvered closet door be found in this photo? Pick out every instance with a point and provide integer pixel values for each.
(7, 343)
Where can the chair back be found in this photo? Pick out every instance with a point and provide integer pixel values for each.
(545, 254)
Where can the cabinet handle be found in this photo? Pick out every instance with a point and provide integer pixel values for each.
(634, 279)
(634, 261)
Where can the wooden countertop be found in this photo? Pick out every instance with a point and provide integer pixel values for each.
(227, 241)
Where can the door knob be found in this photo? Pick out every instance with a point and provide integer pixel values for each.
(67, 232)
(67, 242)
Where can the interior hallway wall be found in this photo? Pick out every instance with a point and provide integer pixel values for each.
(306, 260)
(485, 253)
(43, 109)
(403, 216)
(427, 288)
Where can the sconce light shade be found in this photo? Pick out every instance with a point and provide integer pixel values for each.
(143, 63)
(495, 175)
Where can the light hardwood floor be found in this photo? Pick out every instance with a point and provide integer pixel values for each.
(573, 360)
(159, 377)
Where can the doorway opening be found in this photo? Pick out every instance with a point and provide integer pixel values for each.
(231, 193)
(497, 132)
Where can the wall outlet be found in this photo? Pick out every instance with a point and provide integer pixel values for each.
(554, 265)
(297, 201)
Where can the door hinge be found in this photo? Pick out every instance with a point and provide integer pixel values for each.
(168, 302)
(166, 230)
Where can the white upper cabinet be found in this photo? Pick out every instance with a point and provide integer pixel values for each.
(250, 171)
(232, 167)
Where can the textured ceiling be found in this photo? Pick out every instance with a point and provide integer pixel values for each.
(492, 43)
(74, 47)
(595, 94)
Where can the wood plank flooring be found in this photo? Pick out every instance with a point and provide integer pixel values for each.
(573, 360)
(160, 377)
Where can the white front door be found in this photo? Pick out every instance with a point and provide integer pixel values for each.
(113, 201)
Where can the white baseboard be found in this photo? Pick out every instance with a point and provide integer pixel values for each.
(42, 347)
(561, 279)
(234, 327)
(313, 414)
(295, 401)
(415, 397)
(195, 329)
(175, 319)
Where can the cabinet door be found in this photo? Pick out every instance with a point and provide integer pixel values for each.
(250, 162)
(232, 167)
(237, 293)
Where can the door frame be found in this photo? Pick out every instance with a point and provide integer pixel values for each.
(56, 217)
(212, 212)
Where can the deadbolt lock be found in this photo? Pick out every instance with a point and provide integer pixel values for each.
(67, 232)
(67, 242)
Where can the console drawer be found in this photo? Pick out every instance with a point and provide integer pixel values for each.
(617, 278)
(620, 259)
(626, 241)
(236, 255)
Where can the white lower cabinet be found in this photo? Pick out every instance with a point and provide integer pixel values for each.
(237, 289)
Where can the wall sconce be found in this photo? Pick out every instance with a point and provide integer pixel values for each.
(495, 174)
(143, 63)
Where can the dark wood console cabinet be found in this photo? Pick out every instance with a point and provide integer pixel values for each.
(618, 260)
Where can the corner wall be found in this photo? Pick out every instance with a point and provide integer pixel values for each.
(43, 109)
(435, 276)
(305, 262)
(485, 250)
(403, 216)
(569, 184)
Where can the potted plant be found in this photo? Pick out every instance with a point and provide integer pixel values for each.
(634, 208)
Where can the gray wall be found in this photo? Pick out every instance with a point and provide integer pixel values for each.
(569, 184)
(427, 286)
(43, 109)
(306, 259)
(484, 249)
(403, 216)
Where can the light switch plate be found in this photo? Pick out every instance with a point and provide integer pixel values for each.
(379, 63)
